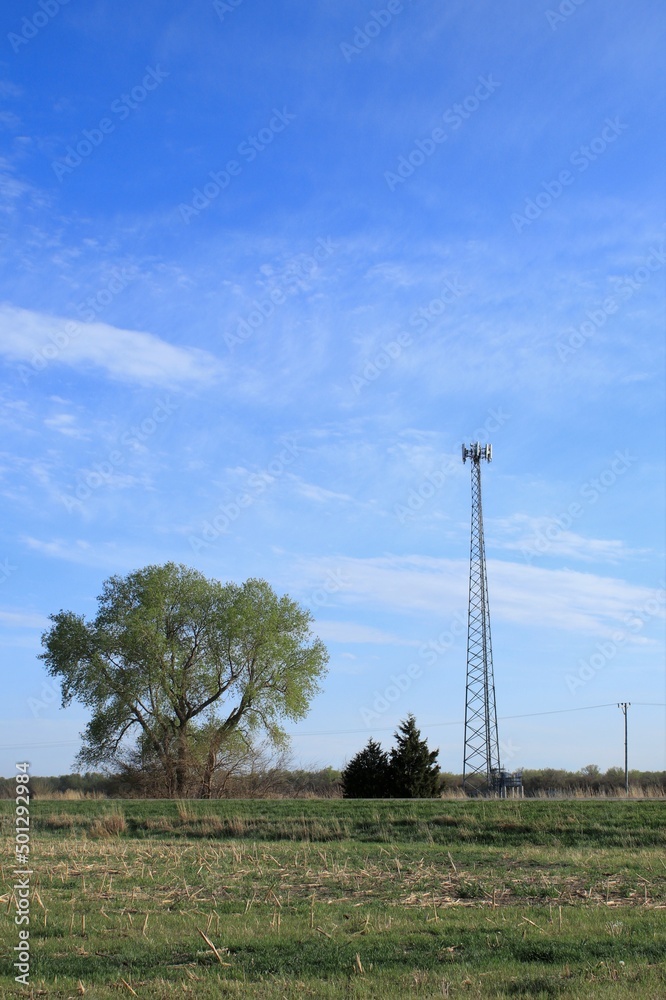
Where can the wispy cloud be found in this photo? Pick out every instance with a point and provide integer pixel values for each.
(318, 493)
(125, 355)
(65, 423)
(23, 619)
(527, 595)
(352, 632)
(11, 188)
(536, 536)
(106, 556)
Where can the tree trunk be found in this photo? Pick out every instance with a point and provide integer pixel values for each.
(207, 777)
(182, 769)
(209, 768)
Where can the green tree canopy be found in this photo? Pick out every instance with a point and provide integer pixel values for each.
(366, 776)
(174, 666)
(413, 771)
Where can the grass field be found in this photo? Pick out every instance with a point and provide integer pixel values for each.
(342, 899)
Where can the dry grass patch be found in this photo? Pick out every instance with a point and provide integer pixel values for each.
(59, 821)
(110, 824)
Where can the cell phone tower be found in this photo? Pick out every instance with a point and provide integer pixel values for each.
(481, 764)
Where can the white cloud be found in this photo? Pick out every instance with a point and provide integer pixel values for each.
(65, 423)
(539, 536)
(71, 551)
(530, 596)
(9, 120)
(11, 189)
(37, 340)
(22, 619)
(319, 493)
(111, 557)
(9, 89)
(332, 631)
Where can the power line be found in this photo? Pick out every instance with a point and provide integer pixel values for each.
(37, 746)
(460, 722)
(385, 729)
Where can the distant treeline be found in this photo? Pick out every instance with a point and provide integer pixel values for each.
(326, 783)
(276, 782)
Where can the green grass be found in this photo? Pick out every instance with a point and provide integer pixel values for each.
(561, 822)
(483, 899)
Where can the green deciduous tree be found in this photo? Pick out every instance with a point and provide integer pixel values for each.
(413, 771)
(366, 776)
(175, 667)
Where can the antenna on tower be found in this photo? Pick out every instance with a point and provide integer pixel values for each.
(481, 763)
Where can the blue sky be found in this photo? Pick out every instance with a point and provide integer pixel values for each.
(265, 268)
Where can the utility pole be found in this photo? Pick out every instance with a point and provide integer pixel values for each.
(481, 762)
(624, 705)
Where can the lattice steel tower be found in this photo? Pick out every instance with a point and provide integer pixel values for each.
(481, 765)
